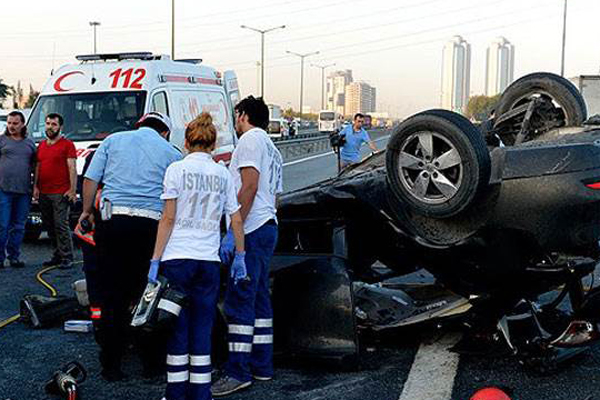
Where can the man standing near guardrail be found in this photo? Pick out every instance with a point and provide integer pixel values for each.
(354, 136)
(256, 166)
(17, 158)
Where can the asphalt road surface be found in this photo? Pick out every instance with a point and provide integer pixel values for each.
(410, 364)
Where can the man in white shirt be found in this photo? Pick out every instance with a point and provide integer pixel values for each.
(256, 166)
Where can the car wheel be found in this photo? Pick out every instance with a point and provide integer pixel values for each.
(437, 163)
(561, 104)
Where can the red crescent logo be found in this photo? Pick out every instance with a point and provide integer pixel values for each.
(58, 82)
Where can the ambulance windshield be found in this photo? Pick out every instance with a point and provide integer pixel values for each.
(88, 116)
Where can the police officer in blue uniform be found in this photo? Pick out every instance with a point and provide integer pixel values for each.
(131, 165)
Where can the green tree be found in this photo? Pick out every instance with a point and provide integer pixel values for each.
(5, 91)
(480, 107)
(31, 98)
(289, 113)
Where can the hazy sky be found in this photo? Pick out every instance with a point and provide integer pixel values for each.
(394, 45)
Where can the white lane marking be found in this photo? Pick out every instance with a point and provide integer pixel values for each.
(307, 158)
(322, 154)
(432, 374)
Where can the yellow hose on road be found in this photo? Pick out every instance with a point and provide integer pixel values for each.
(9, 320)
(39, 278)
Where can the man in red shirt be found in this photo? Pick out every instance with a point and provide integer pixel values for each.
(55, 184)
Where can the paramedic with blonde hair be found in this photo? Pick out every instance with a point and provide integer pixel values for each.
(197, 192)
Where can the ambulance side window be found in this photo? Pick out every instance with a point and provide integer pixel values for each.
(159, 103)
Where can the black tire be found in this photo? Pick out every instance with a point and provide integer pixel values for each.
(559, 89)
(469, 177)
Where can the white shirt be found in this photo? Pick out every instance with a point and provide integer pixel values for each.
(255, 149)
(204, 191)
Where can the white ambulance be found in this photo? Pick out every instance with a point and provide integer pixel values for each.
(108, 93)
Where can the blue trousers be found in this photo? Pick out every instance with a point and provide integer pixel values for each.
(14, 208)
(249, 312)
(188, 349)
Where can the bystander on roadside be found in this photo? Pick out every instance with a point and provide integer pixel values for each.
(17, 160)
(355, 135)
(55, 185)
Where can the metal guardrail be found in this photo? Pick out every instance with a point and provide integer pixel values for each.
(306, 133)
(303, 145)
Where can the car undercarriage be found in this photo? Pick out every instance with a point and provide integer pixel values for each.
(493, 230)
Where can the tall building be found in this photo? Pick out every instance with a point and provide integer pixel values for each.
(336, 90)
(360, 98)
(500, 66)
(456, 74)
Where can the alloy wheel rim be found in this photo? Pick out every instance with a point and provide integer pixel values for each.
(430, 167)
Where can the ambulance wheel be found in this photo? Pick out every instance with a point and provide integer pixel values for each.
(437, 163)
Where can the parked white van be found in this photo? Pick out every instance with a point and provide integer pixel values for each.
(108, 93)
(278, 128)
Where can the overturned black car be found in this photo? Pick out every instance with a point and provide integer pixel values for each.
(497, 215)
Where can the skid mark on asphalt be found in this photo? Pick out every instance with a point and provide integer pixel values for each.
(433, 371)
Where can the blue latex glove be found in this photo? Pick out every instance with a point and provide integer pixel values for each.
(153, 272)
(227, 248)
(238, 268)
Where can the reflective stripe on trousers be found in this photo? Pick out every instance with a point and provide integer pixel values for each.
(248, 304)
(188, 363)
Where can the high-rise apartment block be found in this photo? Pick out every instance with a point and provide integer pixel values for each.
(360, 98)
(336, 90)
(456, 74)
(500, 66)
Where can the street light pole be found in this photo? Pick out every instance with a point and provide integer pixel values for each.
(258, 64)
(172, 29)
(564, 40)
(94, 24)
(323, 67)
(302, 57)
(262, 53)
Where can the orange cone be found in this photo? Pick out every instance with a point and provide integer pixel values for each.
(490, 393)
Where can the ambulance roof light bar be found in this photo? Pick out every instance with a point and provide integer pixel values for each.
(190, 60)
(143, 55)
